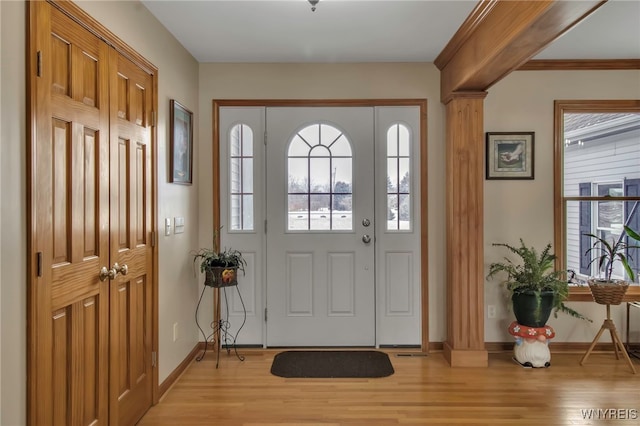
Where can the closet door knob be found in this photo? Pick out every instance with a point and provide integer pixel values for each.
(107, 274)
(124, 269)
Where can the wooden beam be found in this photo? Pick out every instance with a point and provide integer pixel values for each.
(499, 36)
(581, 64)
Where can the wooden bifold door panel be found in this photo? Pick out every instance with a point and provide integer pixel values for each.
(91, 203)
(130, 223)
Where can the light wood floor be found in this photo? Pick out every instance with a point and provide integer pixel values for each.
(423, 390)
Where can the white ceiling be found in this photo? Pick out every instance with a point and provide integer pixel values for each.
(366, 30)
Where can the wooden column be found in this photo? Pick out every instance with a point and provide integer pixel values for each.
(496, 38)
(465, 255)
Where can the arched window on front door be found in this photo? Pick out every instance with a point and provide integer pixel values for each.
(320, 180)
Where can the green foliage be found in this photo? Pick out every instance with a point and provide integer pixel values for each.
(609, 252)
(633, 234)
(535, 272)
(211, 257)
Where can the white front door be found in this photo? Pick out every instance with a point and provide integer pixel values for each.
(320, 226)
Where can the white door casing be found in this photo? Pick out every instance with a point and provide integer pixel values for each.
(278, 258)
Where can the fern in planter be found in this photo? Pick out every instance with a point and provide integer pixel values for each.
(534, 277)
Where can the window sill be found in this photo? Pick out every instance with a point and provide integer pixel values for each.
(583, 294)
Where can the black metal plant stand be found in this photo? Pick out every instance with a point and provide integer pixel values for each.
(220, 336)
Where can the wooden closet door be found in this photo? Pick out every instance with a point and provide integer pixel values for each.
(69, 193)
(131, 248)
(91, 207)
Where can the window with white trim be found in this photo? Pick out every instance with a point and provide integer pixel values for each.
(241, 178)
(599, 159)
(398, 178)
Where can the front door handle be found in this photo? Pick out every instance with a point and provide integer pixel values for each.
(366, 238)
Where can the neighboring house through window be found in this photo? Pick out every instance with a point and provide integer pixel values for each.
(607, 219)
(598, 165)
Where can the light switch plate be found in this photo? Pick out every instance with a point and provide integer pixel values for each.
(167, 226)
(178, 223)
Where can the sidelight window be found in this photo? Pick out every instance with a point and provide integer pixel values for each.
(398, 178)
(241, 178)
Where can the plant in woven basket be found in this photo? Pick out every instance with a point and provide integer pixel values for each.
(534, 285)
(605, 289)
(219, 266)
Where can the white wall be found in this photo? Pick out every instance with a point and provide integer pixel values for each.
(178, 290)
(13, 296)
(336, 81)
(523, 101)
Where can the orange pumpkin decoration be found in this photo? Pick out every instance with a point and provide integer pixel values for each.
(228, 275)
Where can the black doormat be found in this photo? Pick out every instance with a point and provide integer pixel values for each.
(331, 364)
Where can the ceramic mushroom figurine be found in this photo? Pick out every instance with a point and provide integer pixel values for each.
(532, 344)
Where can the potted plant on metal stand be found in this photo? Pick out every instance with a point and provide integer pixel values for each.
(221, 270)
(220, 267)
(536, 289)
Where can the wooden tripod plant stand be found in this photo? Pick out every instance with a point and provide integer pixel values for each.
(617, 343)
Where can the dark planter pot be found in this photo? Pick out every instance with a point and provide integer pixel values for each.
(531, 310)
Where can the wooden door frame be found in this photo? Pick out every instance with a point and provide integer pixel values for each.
(421, 103)
(90, 24)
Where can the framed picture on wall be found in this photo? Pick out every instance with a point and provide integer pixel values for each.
(509, 155)
(181, 144)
